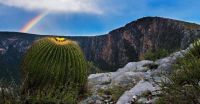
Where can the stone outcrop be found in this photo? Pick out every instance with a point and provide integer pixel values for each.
(139, 89)
(139, 77)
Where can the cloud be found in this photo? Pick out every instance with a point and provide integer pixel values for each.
(66, 6)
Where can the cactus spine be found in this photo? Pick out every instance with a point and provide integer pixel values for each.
(53, 66)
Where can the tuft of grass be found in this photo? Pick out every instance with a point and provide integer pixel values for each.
(9, 92)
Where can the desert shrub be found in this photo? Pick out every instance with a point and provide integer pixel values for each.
(154, 55)
(55, 97)
(92, 69)
(145, 94)
(182, 86)
(194, 50)
(9, 92)
(115, 92)
(54, 70)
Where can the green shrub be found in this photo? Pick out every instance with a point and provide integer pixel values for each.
(154, 55)
(183, 86)
(54, 69)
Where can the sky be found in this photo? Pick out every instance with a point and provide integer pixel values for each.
(88, 17)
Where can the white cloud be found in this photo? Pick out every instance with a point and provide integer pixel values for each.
(67, 6)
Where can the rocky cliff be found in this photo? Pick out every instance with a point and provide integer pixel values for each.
(130, 42)
(112, 50)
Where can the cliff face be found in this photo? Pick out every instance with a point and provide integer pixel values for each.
(128, 43)
(114, 49)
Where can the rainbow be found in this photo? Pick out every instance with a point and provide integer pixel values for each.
(33, 22)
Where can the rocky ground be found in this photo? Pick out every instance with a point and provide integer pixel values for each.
(136, 81)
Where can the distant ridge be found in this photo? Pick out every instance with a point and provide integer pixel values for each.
(112, 50)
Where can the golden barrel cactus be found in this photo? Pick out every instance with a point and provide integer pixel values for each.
(53, 68)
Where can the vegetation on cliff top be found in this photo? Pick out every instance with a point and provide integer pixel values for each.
(154, 55)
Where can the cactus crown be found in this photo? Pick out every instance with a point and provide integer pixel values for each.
(61, 41)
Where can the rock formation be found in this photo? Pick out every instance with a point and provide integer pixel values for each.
(136, 79)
